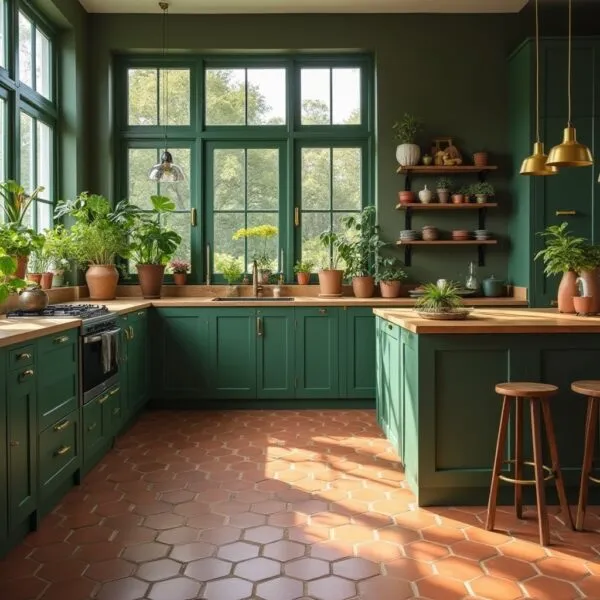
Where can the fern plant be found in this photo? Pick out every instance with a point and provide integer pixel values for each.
(563, 252)
(442, 298)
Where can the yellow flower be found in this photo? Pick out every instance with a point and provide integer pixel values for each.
(260, 231)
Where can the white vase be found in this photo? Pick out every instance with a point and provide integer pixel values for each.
(408, 155)
(425, 195)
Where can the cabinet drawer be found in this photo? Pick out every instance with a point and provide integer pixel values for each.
(92, 427)
(58, 449)
(52, 342)
(391, 330)
(17, 378)
(20, 357)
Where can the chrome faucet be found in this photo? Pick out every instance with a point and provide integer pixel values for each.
(256, 288)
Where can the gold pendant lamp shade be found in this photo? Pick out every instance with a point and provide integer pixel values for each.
(536, 163)
(570, 153)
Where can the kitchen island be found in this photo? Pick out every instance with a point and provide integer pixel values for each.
(436, 401)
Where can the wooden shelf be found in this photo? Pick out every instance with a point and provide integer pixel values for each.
(448, 243)
(449, 206)
(440, 170)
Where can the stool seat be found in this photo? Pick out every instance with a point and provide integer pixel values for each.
(589, 388)
(526, 389)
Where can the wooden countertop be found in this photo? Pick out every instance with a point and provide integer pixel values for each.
(498, 320)
(24, 329)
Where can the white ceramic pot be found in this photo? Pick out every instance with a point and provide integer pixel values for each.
(408, 155)
(425, 195)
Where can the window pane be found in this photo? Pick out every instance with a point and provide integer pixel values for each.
(229, 179)
(27, 158)
(266, 96)
(346, 96)
(44, 159)
(174, 98)
(225, 97)
(263, 179)
(315, 183)
(315, 97)
(140, 188)
(225, 225)
(264, 247)
(43, 69)
(347, 192)
(313, 224)
(3, 33)
(142, 97)
(44, 215)
(25, 67)
(180, 222)
(3, 138)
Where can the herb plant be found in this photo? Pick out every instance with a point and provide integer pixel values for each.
(304, 266)
(389, 269)
(436, 298)
(406, 130)
(444, 183)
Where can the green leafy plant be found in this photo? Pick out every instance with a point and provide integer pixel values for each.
(179, 266)
(304, 266)
(231, 268)
(442, 298)
(444, 183)
(40, 261)
(58, 245)
(466, 190)
(15, 201)
(263, 233)
(152, 241)
(389, 269)
(8, 283)
(482, 188)
(563, 252)
(16, 240)
(406, 130)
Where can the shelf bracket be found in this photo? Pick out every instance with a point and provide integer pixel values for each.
(481, 256)
(482, 215)
(407, 182)
(407, 218)
(407, 255)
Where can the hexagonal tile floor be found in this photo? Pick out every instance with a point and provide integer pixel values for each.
(281, 505)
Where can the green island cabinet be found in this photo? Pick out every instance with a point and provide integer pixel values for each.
(570, 196)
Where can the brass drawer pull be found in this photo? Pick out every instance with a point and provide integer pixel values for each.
(116, 411)
(27, 373)
(61, 340)
(323, 311)
(259, 327)
(24, 356)
(103, 399)
(565, 213)
(63, 450)
(62, 426)
(141, 313)
(126, 332)
(115, 391)
(131, 333)
(92, 427)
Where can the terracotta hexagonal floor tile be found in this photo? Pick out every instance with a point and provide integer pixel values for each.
(509, 568)
(70, 568)
(308, 534)
(164, 521)
(49, 553)
(523, 550)
(152, 508)
(158, 570)
(145, 552)
(231, 588)
(188, 552)
(111, 509)
(178, 535)
(264, 534)
(231, 507)
(123, 589)
(306, 569)
(590, 586)
(408, 569)
(124, 521)
(332, 550)
(353, 533)
(379, 551)
(385, 588)
(178, 497)
(135, 535)
(397, 534)
(181, 588)
(284, 550)
(84, 519)
(22, 589)
(550, 588)
(356, 568)
(258, 569)
(332, 588)
(438, 586)
(207, 521)
(311, 507)
(109, 570)
(89, 535)
(208, 568)
(282, 588)
(287, 519)
(221, 535)
(247, 519)
(495, 588)
(101, 551)
(459, 567)
(191, 509)
(267, 507)
(238, 551)
(75, 589)
(473, 550)
(569, 570)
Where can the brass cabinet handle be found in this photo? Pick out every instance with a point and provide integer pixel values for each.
(560, 213)
(62, 426)
(297, 216)
(141, 313)
(103, 399)
(126, 333)
(24, 356)
(390, 327)
(259, 327)
(115, 391)
(116, 411)
(61, 340)
(92, 427)
(63, 450)
(193, 217)
(323, 311)
(27, 373)
(132, 335)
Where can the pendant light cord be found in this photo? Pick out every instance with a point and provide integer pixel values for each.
(165, 93)
(569, 68)
(537, 74)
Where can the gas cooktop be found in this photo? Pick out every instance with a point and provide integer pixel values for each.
(77, 311)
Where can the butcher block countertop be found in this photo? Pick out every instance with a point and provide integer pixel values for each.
(494, 320)
(24, 329)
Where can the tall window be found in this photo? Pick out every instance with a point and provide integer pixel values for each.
(285, 142)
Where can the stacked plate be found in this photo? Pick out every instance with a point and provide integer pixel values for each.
(409, 235)
(482, 234)
(460, 235)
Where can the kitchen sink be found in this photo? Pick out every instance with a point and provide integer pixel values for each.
(252, 299)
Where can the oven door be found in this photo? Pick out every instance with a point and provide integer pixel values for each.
(99, 362)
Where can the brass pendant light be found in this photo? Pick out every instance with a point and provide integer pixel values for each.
(536, 163)
(570, 153)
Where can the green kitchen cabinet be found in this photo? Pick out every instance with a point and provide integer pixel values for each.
(317, 353)
(275, 353)
(357, 346)
(124, 351)
(133, 367)
(3, 453)
(96, 430)
(113, 415)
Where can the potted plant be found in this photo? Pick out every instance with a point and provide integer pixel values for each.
(262, 233)
(564, 254)
(152, 244)
(390, 276)
(39, 264)
(443, 187)
(58, 245)
(232, 270)
(9, 283)
(406, 130)
(482, 191)
(330, 276)
(180, 269)
(303, 270)
(19, 242)
(98, 236)
(440, 301)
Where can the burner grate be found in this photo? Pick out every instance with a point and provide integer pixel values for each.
(81, 311)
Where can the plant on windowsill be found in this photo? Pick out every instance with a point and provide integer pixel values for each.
(180, 269)
(59, 246)
(19, 242)
(232, 270)
(9, 283)
(441, 302)
(98, 236)
(330, 276)
(262, 233)
(390, 276)
(406, 130)
(303, 270)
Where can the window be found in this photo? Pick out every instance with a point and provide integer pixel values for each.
(279, 141)
(3, 34)
(35, 61)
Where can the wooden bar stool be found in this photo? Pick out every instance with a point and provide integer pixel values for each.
(538, 395)
(591, 389)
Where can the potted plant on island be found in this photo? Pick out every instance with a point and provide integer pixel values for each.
(98, 236)
(408, 152)
(303, 270)
(482, 191)
(232, 270)
(180, 269)
(262, 233)
(441, 302)
(152, 244)
(443, 187)
(9, 283)
(390, 276)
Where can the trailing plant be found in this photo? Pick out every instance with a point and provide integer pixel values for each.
(179, 266)
(406, 130)
(442, 298)
(444, 183)
(303, 266)
(16, 240)
(389, 269)
(563, 252)
(15, 201)
(231, 268)
(263, 233)
(8, 283)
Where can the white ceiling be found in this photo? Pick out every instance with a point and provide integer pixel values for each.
(306, 6)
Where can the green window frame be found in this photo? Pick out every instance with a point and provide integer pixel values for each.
(204, 138)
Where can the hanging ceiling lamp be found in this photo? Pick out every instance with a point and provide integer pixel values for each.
(570, 153)
(536, 163)
(166, 171)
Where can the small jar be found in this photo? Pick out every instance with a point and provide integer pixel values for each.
(430, 233)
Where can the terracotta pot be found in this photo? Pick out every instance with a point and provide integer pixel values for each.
(583, 304)
(46, 281)
(179, 278)
(406, 197)
(330, 281)
(21, 266)
(303, 278)
(592, 287)
(443, 196)
(567, 289)
(480, 159)
(390, 289)
(363, 287)
(458, 198)
(35, 277)
(151, 279)
(102, 282)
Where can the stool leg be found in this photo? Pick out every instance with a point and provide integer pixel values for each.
(558, 478)
(500, 442)
(538, 459)
(519, 457)
(591, 424)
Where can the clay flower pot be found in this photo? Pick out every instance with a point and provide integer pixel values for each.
(303, 278)
(567, 290)
(583, 304)
(179, 278)
(151, 279)
(330, 281)
(390, 289)
(406, 197)
(46, 280)
(22, 262)
(458, 198)
(480, 159)
(443, 196)
(35, 277)
(363, 287)
(102, 282)
(481, 198)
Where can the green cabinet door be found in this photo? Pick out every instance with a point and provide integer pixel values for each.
(124, 354)
(317, 356)
(180, 356)
(233, 341)
(357, 345)
(3, 451)
(96, 429)
(22, 446)
(137, 374)
(275, 353)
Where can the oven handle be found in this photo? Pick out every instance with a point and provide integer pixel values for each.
(92, 339)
